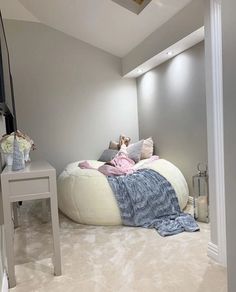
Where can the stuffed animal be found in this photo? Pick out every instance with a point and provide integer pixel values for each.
(122, 140)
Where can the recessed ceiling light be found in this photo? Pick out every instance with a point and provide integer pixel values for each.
(140, 71)
(170, 53)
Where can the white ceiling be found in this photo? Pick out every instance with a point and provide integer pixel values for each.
(101, 23)
(13, 9)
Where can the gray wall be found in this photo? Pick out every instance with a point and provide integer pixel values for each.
(229, 103)
(70, 97)
(172, 109)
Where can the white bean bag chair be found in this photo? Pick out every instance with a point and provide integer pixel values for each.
(85, 196)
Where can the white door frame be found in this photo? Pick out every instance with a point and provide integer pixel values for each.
(214, 100)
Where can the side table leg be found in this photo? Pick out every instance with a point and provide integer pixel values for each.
(55, 227)
(15, 214)
(8, 226)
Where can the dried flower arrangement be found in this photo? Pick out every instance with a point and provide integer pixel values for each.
(24, 141)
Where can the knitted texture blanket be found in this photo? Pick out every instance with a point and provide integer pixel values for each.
(147, 199)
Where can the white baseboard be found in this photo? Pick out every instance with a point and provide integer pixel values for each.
(213, 251)
(4, 287)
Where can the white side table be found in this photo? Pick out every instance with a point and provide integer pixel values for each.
(36, 181)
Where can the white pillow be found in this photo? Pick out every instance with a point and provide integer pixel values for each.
(147, 149)
(134, 151)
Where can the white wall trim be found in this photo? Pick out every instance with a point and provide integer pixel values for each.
(4, 287)
(212, 251)
(214, 83)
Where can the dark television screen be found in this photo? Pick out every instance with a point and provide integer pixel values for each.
(6, 95)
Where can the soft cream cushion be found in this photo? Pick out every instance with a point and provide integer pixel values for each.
(147, 149)
(84, 195)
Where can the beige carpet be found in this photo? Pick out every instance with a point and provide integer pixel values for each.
(114, 259)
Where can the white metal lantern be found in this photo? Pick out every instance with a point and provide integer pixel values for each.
(201, 194)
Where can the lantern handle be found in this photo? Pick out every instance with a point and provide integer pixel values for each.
(202, 171)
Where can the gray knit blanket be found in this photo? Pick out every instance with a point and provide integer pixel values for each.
(147, 199)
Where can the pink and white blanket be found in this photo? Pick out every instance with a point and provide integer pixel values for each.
(121, 164)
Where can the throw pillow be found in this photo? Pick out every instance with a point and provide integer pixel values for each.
(134, 151)
(147, 149)
(108, 155)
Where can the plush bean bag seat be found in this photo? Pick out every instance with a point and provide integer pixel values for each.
(85, 196)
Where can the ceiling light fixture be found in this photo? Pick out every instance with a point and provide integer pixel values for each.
(170, 53)
(140, 2)
(139, 71)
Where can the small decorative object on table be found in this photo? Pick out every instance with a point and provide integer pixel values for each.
(201, 194)
(18, 156)
(18, 141)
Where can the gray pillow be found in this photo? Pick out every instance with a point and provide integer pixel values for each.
(134, 151)
(108, 155)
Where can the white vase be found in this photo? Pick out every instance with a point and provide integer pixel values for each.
(8, 157)
(26, 155)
